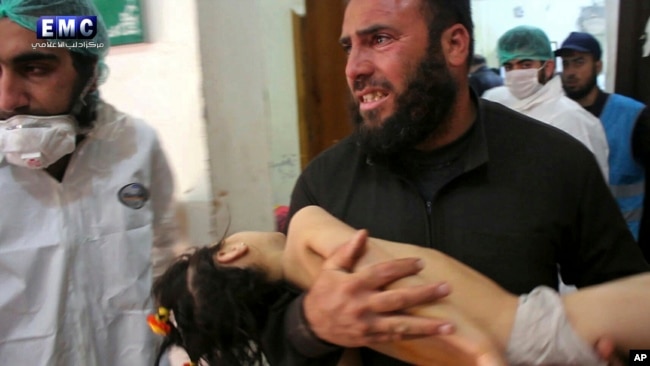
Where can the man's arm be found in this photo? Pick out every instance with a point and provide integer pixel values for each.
(598, 246)
(165, 233)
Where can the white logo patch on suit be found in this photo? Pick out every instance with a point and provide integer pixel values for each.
(133, 195)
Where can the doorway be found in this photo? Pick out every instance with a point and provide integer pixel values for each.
(322, 90)
(633, 67)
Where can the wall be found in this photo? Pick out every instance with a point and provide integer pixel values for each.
(279, 58)
(159, 80)
(249, 88)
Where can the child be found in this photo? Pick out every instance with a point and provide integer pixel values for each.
(221, 295)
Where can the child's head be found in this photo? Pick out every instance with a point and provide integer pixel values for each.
(219, 311)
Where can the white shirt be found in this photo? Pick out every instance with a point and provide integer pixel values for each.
(75, 261)
(551, 106)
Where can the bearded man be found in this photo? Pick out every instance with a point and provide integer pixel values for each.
(627, 127)
(432, 164)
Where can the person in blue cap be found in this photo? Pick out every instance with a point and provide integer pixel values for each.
(86, 196)
(627, 126)
(531, 88)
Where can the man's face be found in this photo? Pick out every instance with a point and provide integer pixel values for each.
(526, 64)
(579, 73)
(401, 87)
(37, 81)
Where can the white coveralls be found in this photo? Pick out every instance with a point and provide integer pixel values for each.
(76, 262)
(550, 105)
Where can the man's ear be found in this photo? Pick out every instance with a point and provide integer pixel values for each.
(94, 79)
(455, 42)
(232, 253)
(599, 67)
(549, 70)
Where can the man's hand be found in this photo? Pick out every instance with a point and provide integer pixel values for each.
(352, 310)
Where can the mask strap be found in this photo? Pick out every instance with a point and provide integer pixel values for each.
(81, 102)
(543, 65)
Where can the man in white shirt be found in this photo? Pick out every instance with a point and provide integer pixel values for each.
(532, 88)
(87, 200)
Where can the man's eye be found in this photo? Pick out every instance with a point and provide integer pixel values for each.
(36, 70)
(346, 48)
(380, 39)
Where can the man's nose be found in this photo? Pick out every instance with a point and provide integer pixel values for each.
(358, 67)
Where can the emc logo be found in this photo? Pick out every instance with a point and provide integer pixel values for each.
(66, 27)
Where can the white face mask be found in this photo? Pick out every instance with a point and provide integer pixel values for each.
(36, 142)
(523, 83)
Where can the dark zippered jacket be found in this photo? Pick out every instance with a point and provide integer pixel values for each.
(528, 198)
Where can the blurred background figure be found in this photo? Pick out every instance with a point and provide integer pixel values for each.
(626, 122)
(531, 88)
(481, 77)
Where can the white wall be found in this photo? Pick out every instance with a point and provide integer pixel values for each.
(159, 80)
(237, 110)
(279, 58)
(251, 108)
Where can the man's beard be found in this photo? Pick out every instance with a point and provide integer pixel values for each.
(421, 111)
(581, 92)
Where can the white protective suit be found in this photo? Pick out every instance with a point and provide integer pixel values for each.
(550, 105)
(76, 262)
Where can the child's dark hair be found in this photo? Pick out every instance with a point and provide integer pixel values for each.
(219, 312)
